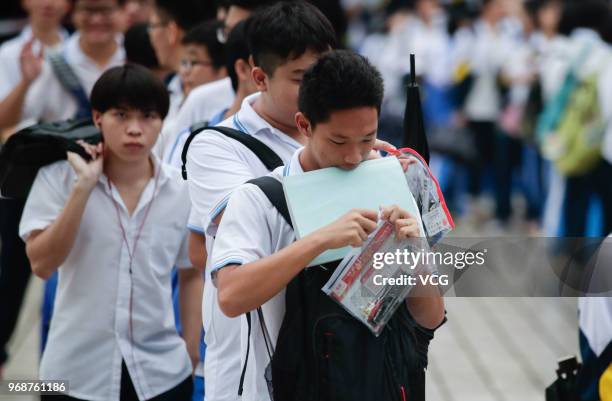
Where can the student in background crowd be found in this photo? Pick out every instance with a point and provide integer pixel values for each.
(168, 23)
(484, 48)
(203, 58)
(136, 12)
(42, 34)
(104, 225)
(138, 50)
(207, 101)
(285, 39)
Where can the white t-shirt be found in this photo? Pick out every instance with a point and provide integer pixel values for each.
(47, 100)
(89, 333)
(203, 103)
(486, 49)
(238, 243)
(216, 165)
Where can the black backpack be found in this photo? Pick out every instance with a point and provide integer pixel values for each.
(324, 354)
(25, 152)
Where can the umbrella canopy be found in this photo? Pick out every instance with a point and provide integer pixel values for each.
(414, 127)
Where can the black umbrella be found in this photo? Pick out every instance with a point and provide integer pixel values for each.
(414, 128)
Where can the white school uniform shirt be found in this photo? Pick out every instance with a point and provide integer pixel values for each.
(216, 165)
(89, 333)
(203, 103)
(252, 229)
(10, 50)
(486, 49)
(47, 100)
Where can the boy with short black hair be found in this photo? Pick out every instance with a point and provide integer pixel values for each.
(203, 56)
(297, 34)
(104, 225)
(256, 254)
(168, 23)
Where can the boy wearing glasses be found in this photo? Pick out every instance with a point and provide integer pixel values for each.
(91, 50)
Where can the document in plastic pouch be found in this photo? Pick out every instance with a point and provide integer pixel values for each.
(371, 291)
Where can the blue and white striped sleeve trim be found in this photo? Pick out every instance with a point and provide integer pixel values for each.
(233, 260)
(220, 207)
(195, 229)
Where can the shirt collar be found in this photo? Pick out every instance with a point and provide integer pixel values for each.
(74, 54)
(174, 86)
(247, 120)
(159, 168)
(294, 167)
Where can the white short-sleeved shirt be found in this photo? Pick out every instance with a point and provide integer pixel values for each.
(202, 104)
(9, 58)
(487, 50)
(216, 165)
(89, 333)
(47, 100)
(251, 229)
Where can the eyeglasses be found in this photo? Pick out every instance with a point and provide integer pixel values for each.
(156, 25)
(91, 11)
(189, 64)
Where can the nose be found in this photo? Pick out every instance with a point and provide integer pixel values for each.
(134, 127)
(353, 157)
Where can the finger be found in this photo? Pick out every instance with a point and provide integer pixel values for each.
(383, 145)
(403, 223)
(367, 225)
(368, 214)
(396, 213)
(409, 232)
(27, 47)
(356, 240)
(384, 212)
(362, 233)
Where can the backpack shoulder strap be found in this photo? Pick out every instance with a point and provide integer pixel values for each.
(266, 155)
(273, 189)
(70, 82)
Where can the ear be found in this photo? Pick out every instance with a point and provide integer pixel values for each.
(97, 119)
(175, 34)
(260, 78)
(303, 124)
(243, 70)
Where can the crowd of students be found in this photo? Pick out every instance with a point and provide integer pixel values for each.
(149, 276)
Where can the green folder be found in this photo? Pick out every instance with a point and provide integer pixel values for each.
(317, 198)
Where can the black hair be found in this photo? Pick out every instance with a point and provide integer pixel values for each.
(236, 48)
(138, 49)
(339, 80)
(205, 34)
(186, 13)
(130, 86)
(286, 30)
(250, 5)
(590, 14)
(119, 3)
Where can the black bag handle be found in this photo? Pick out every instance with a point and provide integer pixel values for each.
(267, 156)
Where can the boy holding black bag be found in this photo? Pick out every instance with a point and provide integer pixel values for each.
(104, 225)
